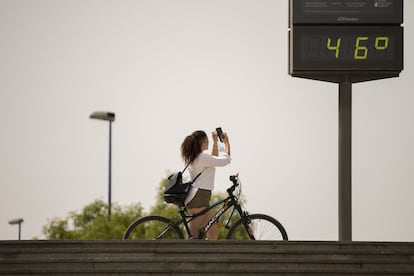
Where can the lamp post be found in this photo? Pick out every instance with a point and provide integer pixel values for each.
(110, 117)
(18, 221)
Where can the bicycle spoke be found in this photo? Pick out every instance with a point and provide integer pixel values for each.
(262, 227)
(264, 230)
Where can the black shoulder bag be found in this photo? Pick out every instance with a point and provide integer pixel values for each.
(175, 190)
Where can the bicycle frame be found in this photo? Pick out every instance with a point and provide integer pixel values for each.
(228, 202)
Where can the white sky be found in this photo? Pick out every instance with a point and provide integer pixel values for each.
(167, 68)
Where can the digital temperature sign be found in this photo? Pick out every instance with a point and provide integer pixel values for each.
(360, 39)
(347, 48)
(345, 41)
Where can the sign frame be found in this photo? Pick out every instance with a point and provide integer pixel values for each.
(381, 12)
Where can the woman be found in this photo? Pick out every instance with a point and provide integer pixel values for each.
(193, 152)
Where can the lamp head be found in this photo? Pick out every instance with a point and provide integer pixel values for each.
(106, 116)
(16, 221)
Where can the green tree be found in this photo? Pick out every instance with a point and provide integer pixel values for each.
(93, 223)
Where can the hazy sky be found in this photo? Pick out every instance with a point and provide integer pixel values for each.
(167, 68)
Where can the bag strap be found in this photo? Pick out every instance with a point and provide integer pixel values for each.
(186, 166)
(195, 178)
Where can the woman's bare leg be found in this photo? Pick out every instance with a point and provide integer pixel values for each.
(200, 222)
(212, 233)
(197, 223)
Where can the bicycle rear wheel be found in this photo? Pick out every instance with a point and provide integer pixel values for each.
(153, 228)
(263, 227)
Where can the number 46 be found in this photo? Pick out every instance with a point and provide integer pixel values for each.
(361, 51)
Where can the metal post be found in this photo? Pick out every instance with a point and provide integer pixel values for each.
(20, 231)
(345, 161)
(110, 172)
(110, 117)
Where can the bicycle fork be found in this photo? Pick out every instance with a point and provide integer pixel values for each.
(246, 221)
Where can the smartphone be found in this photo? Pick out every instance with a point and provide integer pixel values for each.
(220, 134)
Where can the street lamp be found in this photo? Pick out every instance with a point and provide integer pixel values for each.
(18, 221)
(110, 117)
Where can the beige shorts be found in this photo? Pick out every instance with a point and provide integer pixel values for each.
(201, 199)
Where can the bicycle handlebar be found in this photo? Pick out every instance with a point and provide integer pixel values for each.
(235, 180)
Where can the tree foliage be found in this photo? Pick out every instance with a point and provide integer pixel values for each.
(92, 222)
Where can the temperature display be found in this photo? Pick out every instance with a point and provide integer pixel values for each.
(349, 48)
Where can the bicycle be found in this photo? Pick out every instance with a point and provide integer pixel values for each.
(251, 227)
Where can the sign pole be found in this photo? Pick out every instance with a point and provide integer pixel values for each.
(345, 161)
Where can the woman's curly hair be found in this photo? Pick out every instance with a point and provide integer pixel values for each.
(191, 146)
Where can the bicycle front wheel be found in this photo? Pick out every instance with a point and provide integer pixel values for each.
(263, 227)
(153, 228)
